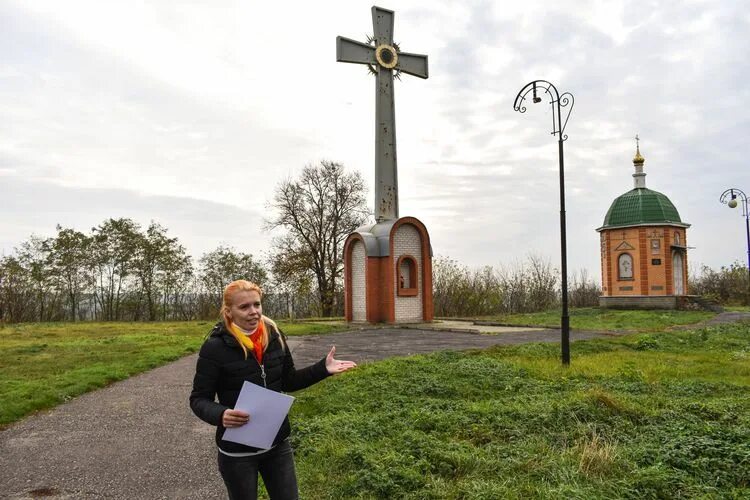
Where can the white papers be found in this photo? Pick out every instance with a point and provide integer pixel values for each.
(267, 410)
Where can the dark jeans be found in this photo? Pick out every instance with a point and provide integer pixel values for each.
(276, 467)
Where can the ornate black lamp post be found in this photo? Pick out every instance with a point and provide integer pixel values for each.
(557, 102)
(729, 198)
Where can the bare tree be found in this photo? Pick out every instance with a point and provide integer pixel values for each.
(318, 211)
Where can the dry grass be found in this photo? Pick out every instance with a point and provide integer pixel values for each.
(598, 455)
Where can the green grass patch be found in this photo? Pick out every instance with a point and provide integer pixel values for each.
(44, 364)
(647, 415)
(593, 318)
(321, 319)
(299, 328)
(663, 415)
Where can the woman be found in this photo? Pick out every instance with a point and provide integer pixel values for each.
(248, 346)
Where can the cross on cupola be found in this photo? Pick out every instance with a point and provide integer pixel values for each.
(383, 57)
(639, 177)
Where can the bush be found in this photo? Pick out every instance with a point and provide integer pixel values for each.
(728, 286)
(582, 291)
(531, 286)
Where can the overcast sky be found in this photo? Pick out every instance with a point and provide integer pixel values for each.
(190, 113)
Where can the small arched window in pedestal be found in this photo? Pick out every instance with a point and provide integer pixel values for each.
(407, 276)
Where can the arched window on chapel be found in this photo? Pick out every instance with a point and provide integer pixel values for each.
(625, 266)
(407, 276)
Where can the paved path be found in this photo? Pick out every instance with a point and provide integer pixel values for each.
(372, 345)
(725, 317)
(138, 438)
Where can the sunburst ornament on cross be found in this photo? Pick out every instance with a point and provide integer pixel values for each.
(387, 56)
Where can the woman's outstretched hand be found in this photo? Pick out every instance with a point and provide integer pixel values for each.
(335, 366)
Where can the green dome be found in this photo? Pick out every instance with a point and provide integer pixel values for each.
(641, 206)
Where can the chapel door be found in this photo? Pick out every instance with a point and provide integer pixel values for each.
(679, 285)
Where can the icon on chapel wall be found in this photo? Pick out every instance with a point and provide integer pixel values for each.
(655, 247)
(626, 266)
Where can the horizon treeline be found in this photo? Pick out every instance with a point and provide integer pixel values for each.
(120, 271)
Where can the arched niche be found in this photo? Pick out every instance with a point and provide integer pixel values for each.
(625, 266)
(408, 285)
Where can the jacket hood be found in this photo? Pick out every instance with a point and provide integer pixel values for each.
(218, 330)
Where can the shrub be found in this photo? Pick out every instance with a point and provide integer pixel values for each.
(529, 286)
(728, 286)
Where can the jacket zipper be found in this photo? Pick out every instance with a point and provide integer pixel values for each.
(262, 373)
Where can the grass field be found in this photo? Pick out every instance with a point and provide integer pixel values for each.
(646, 415)
(663, 415)
(45, 364)
(592, 318)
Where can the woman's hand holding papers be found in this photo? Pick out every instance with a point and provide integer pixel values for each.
(335, 366)
(234, 418)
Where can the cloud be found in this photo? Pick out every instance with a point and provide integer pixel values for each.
(210, 106)
(37, 207)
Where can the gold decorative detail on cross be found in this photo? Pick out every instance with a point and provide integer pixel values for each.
(387, 56)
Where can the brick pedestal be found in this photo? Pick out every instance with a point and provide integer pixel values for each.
(388, 273)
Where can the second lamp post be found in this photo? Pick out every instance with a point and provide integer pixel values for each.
(557, 102)
(729, 198)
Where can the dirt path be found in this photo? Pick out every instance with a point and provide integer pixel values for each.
(138, 438)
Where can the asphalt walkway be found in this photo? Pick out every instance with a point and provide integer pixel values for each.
(138, 438)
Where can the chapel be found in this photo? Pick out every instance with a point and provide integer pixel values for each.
(388, 272)
(643, 249)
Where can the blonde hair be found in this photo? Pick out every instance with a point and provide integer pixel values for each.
(244, 286)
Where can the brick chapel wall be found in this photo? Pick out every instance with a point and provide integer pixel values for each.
(359, 284)
(659, 258)
(407, 241)
(379, 295)
(652, 260)
(623, 241)
(606, 263)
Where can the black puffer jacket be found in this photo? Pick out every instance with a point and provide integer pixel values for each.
(222, 368)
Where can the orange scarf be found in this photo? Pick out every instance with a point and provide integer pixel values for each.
(252, 342)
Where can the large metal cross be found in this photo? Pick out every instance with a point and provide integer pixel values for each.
(383, 57)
